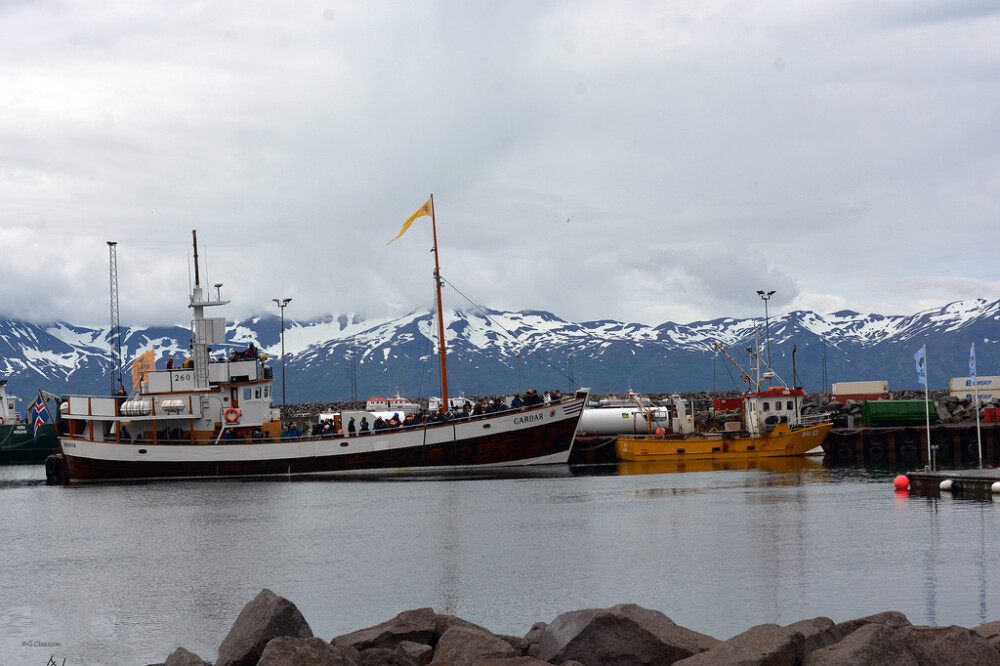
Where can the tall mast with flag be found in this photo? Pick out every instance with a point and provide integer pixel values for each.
(428, 209)
(921, 360)
(975, 389)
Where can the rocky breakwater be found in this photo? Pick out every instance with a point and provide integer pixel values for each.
(945, 408)
(270, 631)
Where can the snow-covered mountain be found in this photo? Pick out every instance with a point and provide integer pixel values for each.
(344, 358)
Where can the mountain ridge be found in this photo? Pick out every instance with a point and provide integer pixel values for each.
(345, 356)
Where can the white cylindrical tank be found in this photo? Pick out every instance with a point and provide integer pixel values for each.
(622, 420)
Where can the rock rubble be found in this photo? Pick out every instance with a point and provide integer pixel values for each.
(270, 631)
(947, 408)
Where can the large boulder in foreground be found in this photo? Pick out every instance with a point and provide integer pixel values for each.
(763, 645)
(990, 632)
(377, 656)
(313, 651)
(625, 634)
(463, 647)
(948, 645)
(872, 643)
(818, 632)
(267, 616)
(891, 619)
(416, 626)
(444, 622)
(184, 657)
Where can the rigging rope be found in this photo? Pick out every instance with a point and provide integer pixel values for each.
(509, 334)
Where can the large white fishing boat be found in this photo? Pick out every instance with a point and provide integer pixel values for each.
(215, 419)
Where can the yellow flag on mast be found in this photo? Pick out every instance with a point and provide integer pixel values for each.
(426, 209)
(144, 363)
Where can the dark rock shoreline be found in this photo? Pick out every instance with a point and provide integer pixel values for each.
(270, 631)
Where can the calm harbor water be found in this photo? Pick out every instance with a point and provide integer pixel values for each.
(124, 574)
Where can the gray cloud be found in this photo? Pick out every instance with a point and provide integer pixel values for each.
(637, 162)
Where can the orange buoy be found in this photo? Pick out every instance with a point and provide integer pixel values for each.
(901, 482)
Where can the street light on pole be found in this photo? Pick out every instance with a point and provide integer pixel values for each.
(281, 305)
(766, 296)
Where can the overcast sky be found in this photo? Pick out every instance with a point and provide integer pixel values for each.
(638, 161)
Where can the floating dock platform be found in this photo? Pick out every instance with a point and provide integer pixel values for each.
(983, 482)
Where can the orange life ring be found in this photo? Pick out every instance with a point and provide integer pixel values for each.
(232, 415)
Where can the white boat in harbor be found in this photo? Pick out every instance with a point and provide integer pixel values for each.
(375, 408)
(214, 420)
(386, 407)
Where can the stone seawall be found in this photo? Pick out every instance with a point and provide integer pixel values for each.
(270, 631)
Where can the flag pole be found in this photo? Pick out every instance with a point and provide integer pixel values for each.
(927, 410)
(437, 285)
(975, 388)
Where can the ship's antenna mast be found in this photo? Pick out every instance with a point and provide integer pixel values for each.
(115, 333)
(194, 240)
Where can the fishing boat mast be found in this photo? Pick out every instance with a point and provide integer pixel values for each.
(440, 317)
(203, 331)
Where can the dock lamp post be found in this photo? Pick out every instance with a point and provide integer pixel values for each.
(281, 305)
(765, 296)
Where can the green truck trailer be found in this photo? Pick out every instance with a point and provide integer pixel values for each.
(896, 412)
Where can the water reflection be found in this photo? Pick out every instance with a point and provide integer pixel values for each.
(785, 464)
(124, 574)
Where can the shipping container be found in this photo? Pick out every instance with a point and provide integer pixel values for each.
(876, 386)
(877, 389)
(897, 412)
(987, 388)
(727, 404)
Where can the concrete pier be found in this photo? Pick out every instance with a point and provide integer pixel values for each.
(953, 445)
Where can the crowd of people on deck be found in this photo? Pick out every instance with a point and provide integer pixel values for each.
(328, 428)
(424, 417)
(248, 354)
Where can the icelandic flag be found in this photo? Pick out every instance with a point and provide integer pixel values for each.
(919, 357)
(972, 364)
(39, 415)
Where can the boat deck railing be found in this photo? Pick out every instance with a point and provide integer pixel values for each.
(809, 420)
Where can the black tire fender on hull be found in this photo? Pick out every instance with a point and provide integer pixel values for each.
(55, 471)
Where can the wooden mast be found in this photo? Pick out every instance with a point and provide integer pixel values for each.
(437, 285)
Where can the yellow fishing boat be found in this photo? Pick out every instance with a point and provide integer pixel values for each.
(772, 424)
(783, 440)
